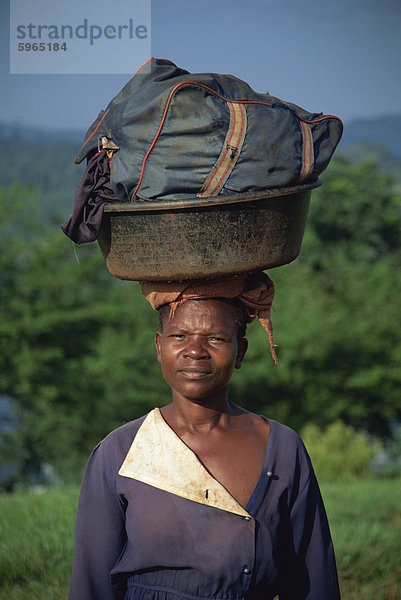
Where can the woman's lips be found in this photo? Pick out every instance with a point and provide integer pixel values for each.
(193, 373)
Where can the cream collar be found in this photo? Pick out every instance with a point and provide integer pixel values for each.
(160, 458)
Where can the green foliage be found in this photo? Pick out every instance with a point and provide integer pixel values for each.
(356, 212)
(388, 462)
(365, 522)
(36, 544)
(339, 452)
(339, 352)
(77, 351)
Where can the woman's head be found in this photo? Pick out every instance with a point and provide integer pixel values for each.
(255, 291)
(199, 346)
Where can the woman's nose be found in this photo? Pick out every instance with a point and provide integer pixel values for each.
(196, 348)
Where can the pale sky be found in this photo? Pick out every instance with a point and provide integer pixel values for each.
(339, 57)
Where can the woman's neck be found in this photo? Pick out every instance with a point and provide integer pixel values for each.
(197, 416)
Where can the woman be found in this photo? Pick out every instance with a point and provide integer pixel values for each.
(203, 499)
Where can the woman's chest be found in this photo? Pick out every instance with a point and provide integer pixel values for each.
(235, 461)
(236, 471)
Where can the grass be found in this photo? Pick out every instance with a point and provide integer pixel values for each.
(36, 544)
(365, 521)
(36, 540)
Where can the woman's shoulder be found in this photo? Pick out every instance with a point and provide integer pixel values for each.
(115, 446)
(125, 431)
(282, 433)
(286, 444)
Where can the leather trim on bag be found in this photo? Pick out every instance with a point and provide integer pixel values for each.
(230, 152)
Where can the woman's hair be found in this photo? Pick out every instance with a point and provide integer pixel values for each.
(238, 310)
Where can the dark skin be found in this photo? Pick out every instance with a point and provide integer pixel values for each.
(198, 350)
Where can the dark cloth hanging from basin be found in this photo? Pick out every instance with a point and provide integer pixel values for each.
(93, 191)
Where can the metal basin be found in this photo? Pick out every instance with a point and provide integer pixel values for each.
(190, 239)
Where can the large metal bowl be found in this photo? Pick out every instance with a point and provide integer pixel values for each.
(190, 239)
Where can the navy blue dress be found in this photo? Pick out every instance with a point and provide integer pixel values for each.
(153, 524)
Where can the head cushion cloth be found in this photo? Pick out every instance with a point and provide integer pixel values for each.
(255, 291)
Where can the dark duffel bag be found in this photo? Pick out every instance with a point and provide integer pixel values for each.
(170, 134)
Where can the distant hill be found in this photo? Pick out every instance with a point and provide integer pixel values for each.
(385, 131)
(378, 139)
(380, 154)
(44, 158)
(40, 134)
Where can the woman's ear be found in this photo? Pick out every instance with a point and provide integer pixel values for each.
(242, 348)
(158, 344)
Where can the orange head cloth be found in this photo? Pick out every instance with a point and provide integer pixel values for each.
(255, 291)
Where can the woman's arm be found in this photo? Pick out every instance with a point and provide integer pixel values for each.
(315, 576)
(306, 555)
(99, 530)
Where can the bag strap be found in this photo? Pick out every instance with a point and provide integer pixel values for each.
(308, 155)
(229, 154)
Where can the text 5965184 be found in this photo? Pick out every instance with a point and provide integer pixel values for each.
(42, 47)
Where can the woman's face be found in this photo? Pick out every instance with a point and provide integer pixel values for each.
(199, 348)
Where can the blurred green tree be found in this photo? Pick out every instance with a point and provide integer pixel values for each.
(76, 346)
(339, 452)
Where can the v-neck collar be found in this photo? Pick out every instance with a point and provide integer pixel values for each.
(265, 476)
(160, 458)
